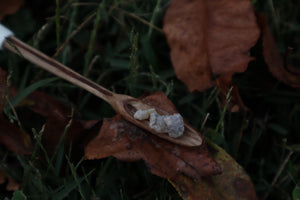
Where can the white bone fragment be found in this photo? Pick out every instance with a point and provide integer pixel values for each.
(171, 124)
(175, 125)
(157, 123)
(143, 114)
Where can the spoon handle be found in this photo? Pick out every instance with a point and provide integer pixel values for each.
(123, 104)
(49, 64)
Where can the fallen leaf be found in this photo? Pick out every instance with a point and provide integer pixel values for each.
(11, 135)
(225, 84)
(47, 105)
(59, 120)
(286, 74)
(76, 134)
(192, 171)
(57, 115)
(127, 142)
(9, 7)
(210, 40)
(13, 138)
(232, 184)
(12, 185)
(5, 89)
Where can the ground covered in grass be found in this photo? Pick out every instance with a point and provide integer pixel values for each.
(121, 45)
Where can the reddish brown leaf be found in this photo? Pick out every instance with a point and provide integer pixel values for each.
(12, 185)
(2, 177)
(3, 80)
(224, 84)
(77, 134)
(232, 184)
(9, 7)
(10, 135)
(47, 105)
(210, 39)
(286, 74)
(5, 89)
(125, 141)
(181, 165)
(58, 118)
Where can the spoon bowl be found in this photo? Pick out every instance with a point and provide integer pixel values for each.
(123, 104)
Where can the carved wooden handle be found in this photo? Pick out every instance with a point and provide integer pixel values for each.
(121, 103)
(45, 62)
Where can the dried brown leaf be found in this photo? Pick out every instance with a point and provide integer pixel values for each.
(232, 184)
(10, 135)
(47, 105)
(57, 115)
(12, 185)
(5, 90)
(78, 134)
(9, 7)
(286, 74)
(59, 120)
(125, 141)
(13, 138)
(225, 84)
(209, 40)
(190, 170)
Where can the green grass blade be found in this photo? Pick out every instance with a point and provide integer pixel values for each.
(24, 93)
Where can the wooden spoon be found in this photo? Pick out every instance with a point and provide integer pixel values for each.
(122, 104)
